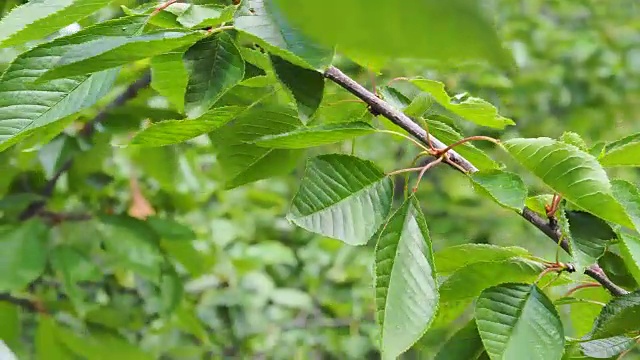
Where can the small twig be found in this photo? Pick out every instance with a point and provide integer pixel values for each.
(457, 161)
(424, 170)
(582, 286)
(467, 139)
(30, 305)
(162, 7)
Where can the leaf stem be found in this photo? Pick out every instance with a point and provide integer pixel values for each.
(467, 139)
(582, 286)
(162, 7)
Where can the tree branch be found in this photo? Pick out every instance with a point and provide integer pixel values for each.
(458, 162)
(26, 304)
(87, 130)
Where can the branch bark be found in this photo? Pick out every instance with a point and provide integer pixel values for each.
(87, 130)
(379, 106)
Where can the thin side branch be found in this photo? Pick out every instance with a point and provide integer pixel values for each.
(87, 130)
(455, 160)
(26, 304)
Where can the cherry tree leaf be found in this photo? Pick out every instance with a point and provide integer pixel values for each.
(618, 317)
(406, 288)
(623, 152)
(452, 258)
(342, 197)
(505, 188)
(305, 85)
(306, 137)
(518, 321)
(571, 172)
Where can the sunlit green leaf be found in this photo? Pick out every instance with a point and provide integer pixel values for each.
(112, 51)
(518, 321)
(406, 288)
(471, 108)
(306, 137)
(452, 258)
(447, 31)
(505, 188)
(30, 107)
(342, 197)
(176, 131)
(214, 66)
(571, 172)
(37, 19)
(264, 21)
(169, 77)
(201, 16)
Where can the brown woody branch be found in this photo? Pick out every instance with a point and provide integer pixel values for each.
(458, 162)
(87, 130)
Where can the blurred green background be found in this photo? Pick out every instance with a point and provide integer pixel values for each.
(256, 286)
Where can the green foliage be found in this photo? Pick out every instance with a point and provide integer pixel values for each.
(150, 154)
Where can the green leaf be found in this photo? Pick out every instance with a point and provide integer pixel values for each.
(588, 236)
(471, 108)
(169, 77)
(606, 348)
(265, 23)
(406, 288)
(630, 251)
(469, 281)
(342, 197)
(171, 291)
(616, 268)
(505, 188)
(214, 66)
(30, 107)
(133, 244)
(176, 131)
(55, 154)
(465, 344)
(518, 321)
(628, 196)
(306, 86)
(574, 139)
(618, 317)
(451, 31)
(453, 258)
(583, 314)
(74, 267)
(306, 137)
(112, 51)
(623, 152)
(202, 16)
(169, 229)
(574, 174)
(10, 330)
(537, 203)
(46, 341)
(23, 254)
(244, 162)
(37, 19)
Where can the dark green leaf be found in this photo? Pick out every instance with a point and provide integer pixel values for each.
(244, 162)
(518, 321)
(264, 21)
(465, 344)
(588, 237)
(169, 229)
(306, 86)
(176, 131)
(446, 31)
(112, 51)
(630, 250)
(306, 137)
(618, 269)
(618, 317)
(214, 66)
(452, 258)
(37, 19)
(133, 244)
(606, 348)
(449, 135)
(571, 172)
(342, 197)
(406, 288)
(505, 188)
(23, 254)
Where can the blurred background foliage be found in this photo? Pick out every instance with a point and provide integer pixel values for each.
(254, 285)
